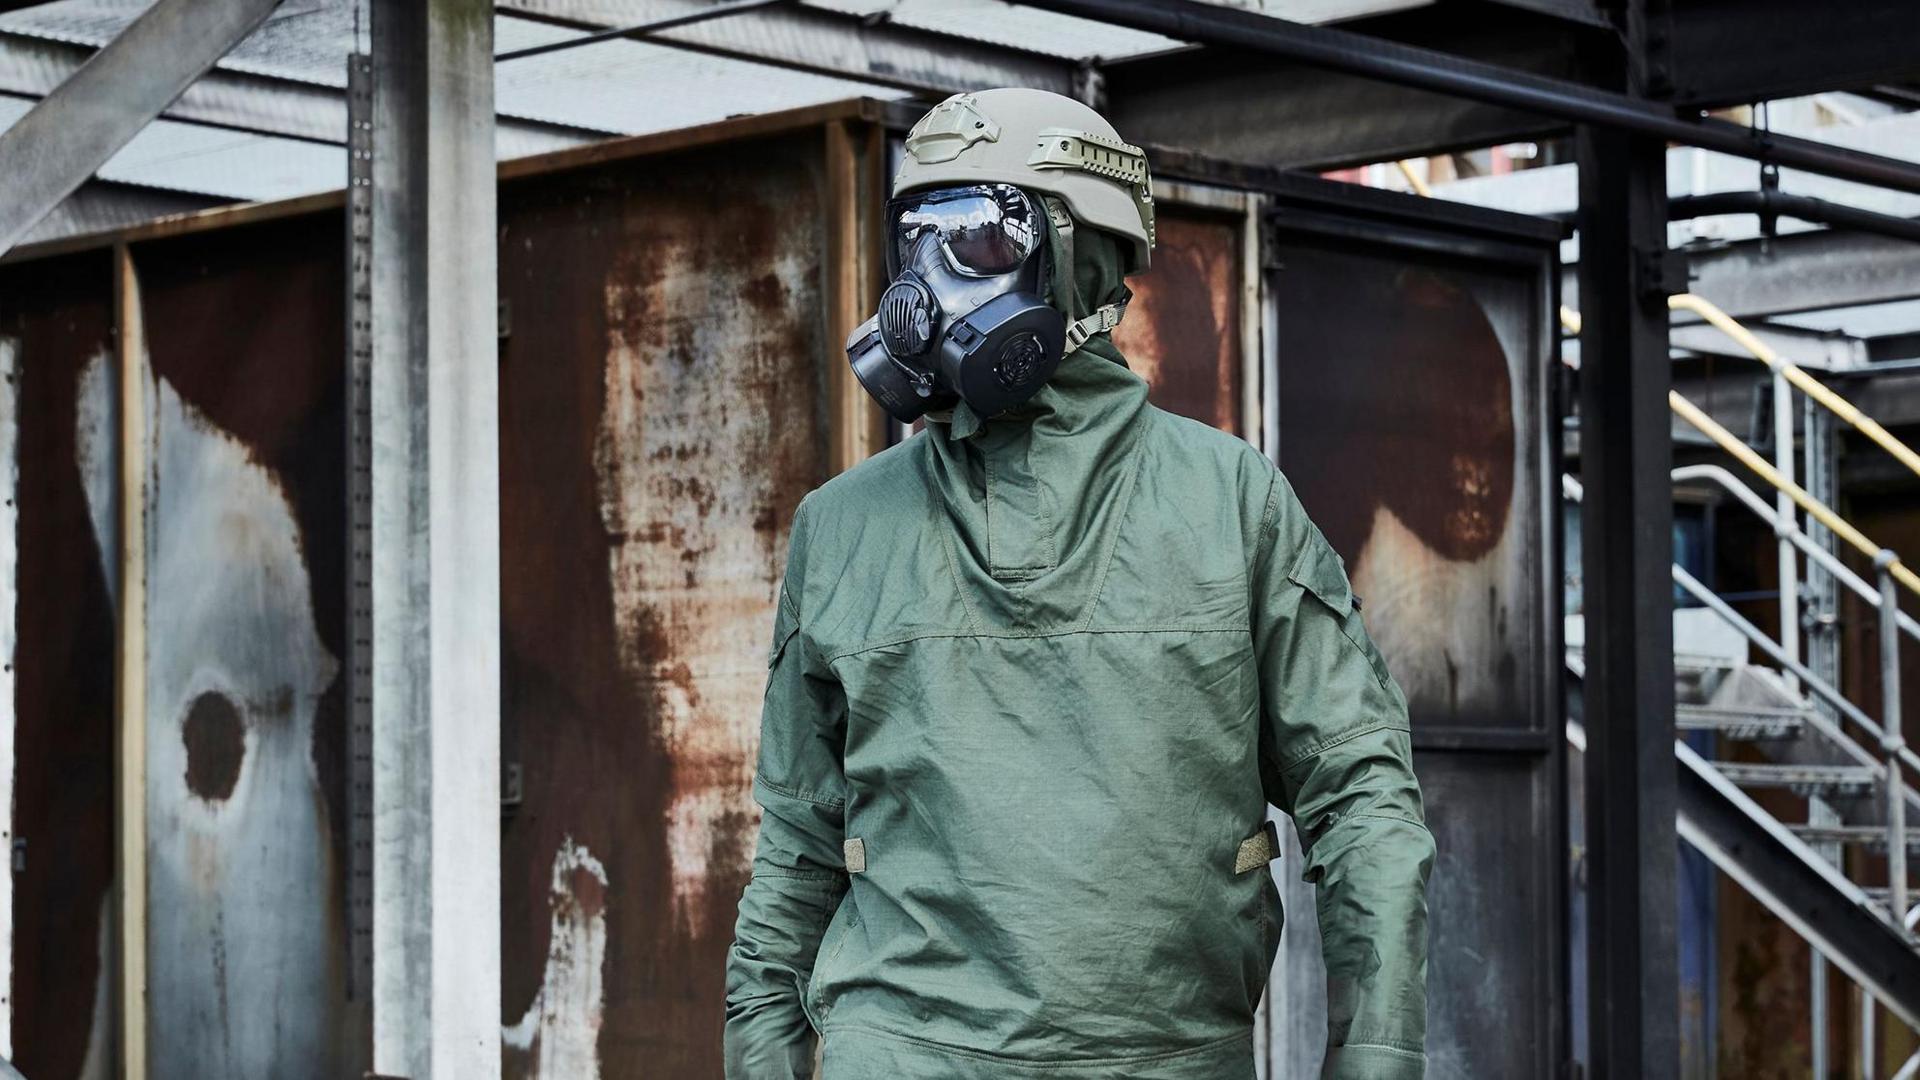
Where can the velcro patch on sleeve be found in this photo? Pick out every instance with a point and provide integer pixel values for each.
(1258, 850)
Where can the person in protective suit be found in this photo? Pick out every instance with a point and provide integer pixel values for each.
(1037, 672)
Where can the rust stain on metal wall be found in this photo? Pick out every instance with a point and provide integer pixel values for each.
(60, 311)
(662, 412)
(1399, 429)
(1409, 391)
(246, 623)
(1182, 331)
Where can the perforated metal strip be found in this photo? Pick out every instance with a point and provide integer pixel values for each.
(359, 525)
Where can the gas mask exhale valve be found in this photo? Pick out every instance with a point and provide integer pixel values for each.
(963, 319)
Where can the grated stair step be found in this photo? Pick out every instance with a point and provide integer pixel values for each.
(1869, 836)
(1804, 779)
(1751, 723)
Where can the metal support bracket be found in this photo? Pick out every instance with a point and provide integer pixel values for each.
(1659, 273)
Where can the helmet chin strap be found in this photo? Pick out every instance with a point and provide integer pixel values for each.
(1104, 318)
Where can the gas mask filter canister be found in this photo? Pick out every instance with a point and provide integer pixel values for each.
(963, 318)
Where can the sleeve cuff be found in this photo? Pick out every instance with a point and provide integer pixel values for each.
(1366, 1061)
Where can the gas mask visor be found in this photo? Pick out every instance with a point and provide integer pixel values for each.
(982, 231)
(962, 317)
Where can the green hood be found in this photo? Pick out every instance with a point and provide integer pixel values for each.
(1032, 492)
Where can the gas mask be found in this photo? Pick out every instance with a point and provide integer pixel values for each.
(964, 318)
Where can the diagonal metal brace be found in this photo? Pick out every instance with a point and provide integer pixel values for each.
(62, 141)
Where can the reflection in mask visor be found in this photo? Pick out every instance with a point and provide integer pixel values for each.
(985, 230)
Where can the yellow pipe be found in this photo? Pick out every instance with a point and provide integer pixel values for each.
(1820, 511)
(1807, 384)
(1419, 184)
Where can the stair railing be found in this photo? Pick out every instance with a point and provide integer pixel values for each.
(1795, 535)
(1816, 509)
(1886, 733)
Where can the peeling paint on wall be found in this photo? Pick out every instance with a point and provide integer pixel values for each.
(237, 949)
(1423, 490)
(96, 431)
(662, 413)
(560, 1032)
(1410, 389)
(245, 624)
(681, 493)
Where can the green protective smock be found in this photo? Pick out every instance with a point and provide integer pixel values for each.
(1034, 680)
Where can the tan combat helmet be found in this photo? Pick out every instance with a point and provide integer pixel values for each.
(1042, 142)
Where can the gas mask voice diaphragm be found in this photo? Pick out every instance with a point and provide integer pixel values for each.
(963, 317)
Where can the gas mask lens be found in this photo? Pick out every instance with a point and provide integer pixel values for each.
(984, 230)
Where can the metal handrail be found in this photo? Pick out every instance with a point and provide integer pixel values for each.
(1795, 535)
(1570, 321)
(1820, 511)
(1798, 376)
(1572, 489)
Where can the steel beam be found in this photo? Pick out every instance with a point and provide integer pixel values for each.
(1627, 549)
(72, 132)
(1298, 116)
(435, 544)
(815, 40)
(1427, 69)
(640, 31)
(1789, 879)
(1806, 272)
(1731, 52)
(1819, 349)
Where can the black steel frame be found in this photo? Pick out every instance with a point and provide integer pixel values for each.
(1356, 54)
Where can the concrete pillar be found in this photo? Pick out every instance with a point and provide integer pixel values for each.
(435, 565)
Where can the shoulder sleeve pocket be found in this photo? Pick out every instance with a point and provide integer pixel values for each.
(1319, 571)
(786, 623)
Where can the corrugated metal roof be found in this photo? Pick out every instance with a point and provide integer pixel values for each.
(214, 161)
(307, 40)
(99, 206)
(634, 87)
(613, 88)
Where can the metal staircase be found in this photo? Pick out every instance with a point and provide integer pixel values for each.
(1786, 729)
(1835, 867)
